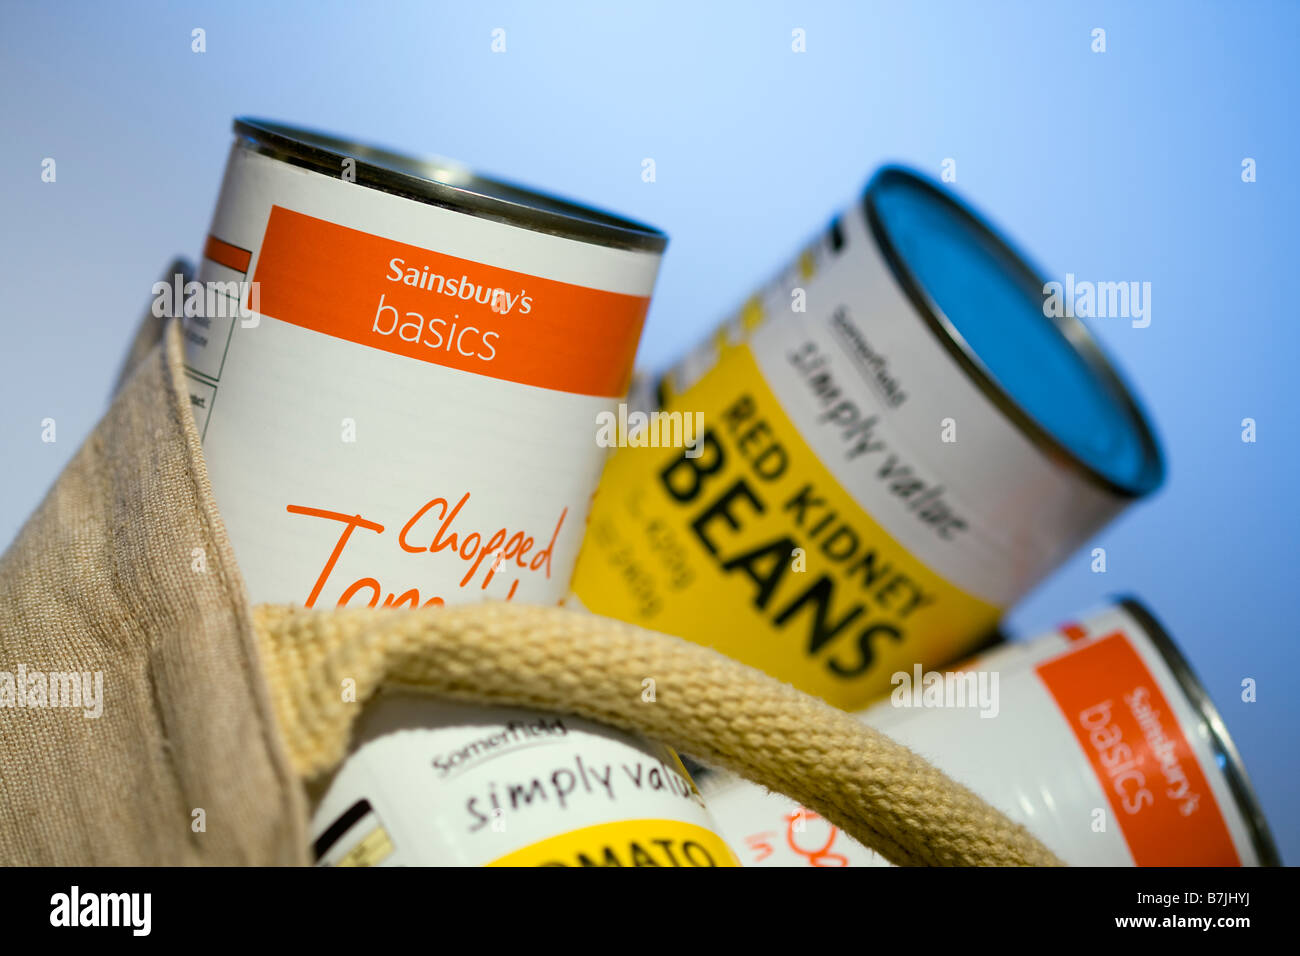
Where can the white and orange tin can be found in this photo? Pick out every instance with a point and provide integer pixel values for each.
(407, 417)
(398, 408)
(1097, 737)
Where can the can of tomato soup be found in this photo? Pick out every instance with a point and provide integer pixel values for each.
(396, 366)
(897, 442)
(1097, 737)
(441, 784)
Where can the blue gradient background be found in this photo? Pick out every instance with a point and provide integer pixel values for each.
(1117, 166)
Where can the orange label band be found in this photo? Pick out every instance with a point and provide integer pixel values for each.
(225, 254)
(1142, 759)
(445, 310)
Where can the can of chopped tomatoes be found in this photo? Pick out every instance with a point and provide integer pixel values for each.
(398, 372)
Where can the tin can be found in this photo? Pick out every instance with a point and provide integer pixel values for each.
(436, 784)
(1100, 740)
(898, 442)
(397, 368)
(406, 416)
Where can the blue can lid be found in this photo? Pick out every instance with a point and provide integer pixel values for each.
(985, 302)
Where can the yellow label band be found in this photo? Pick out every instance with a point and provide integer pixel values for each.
(665, 843)
(755, 549)
(376, 847)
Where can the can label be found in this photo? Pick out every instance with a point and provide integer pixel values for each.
(407, 418)
(1095, 748)
(858, 504)
(1133, 739)
(567, 793)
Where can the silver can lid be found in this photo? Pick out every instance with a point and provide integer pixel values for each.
(1225, 751)
(984, 302)
(448, 184)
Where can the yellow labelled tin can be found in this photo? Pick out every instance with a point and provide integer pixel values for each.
(898, 442)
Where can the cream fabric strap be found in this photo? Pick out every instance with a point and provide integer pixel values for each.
(707, 705)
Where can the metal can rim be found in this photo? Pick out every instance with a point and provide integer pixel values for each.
(1225, 751)
(1075, 333)
(448, 184)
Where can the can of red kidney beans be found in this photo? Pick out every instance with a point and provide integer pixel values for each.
(898, 443)
(1097, 737)
(396, 366)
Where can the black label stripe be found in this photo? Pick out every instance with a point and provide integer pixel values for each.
(340, 826)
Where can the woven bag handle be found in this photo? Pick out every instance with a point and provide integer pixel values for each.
(706, 705)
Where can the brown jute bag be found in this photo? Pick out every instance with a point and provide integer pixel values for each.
(215, 716)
